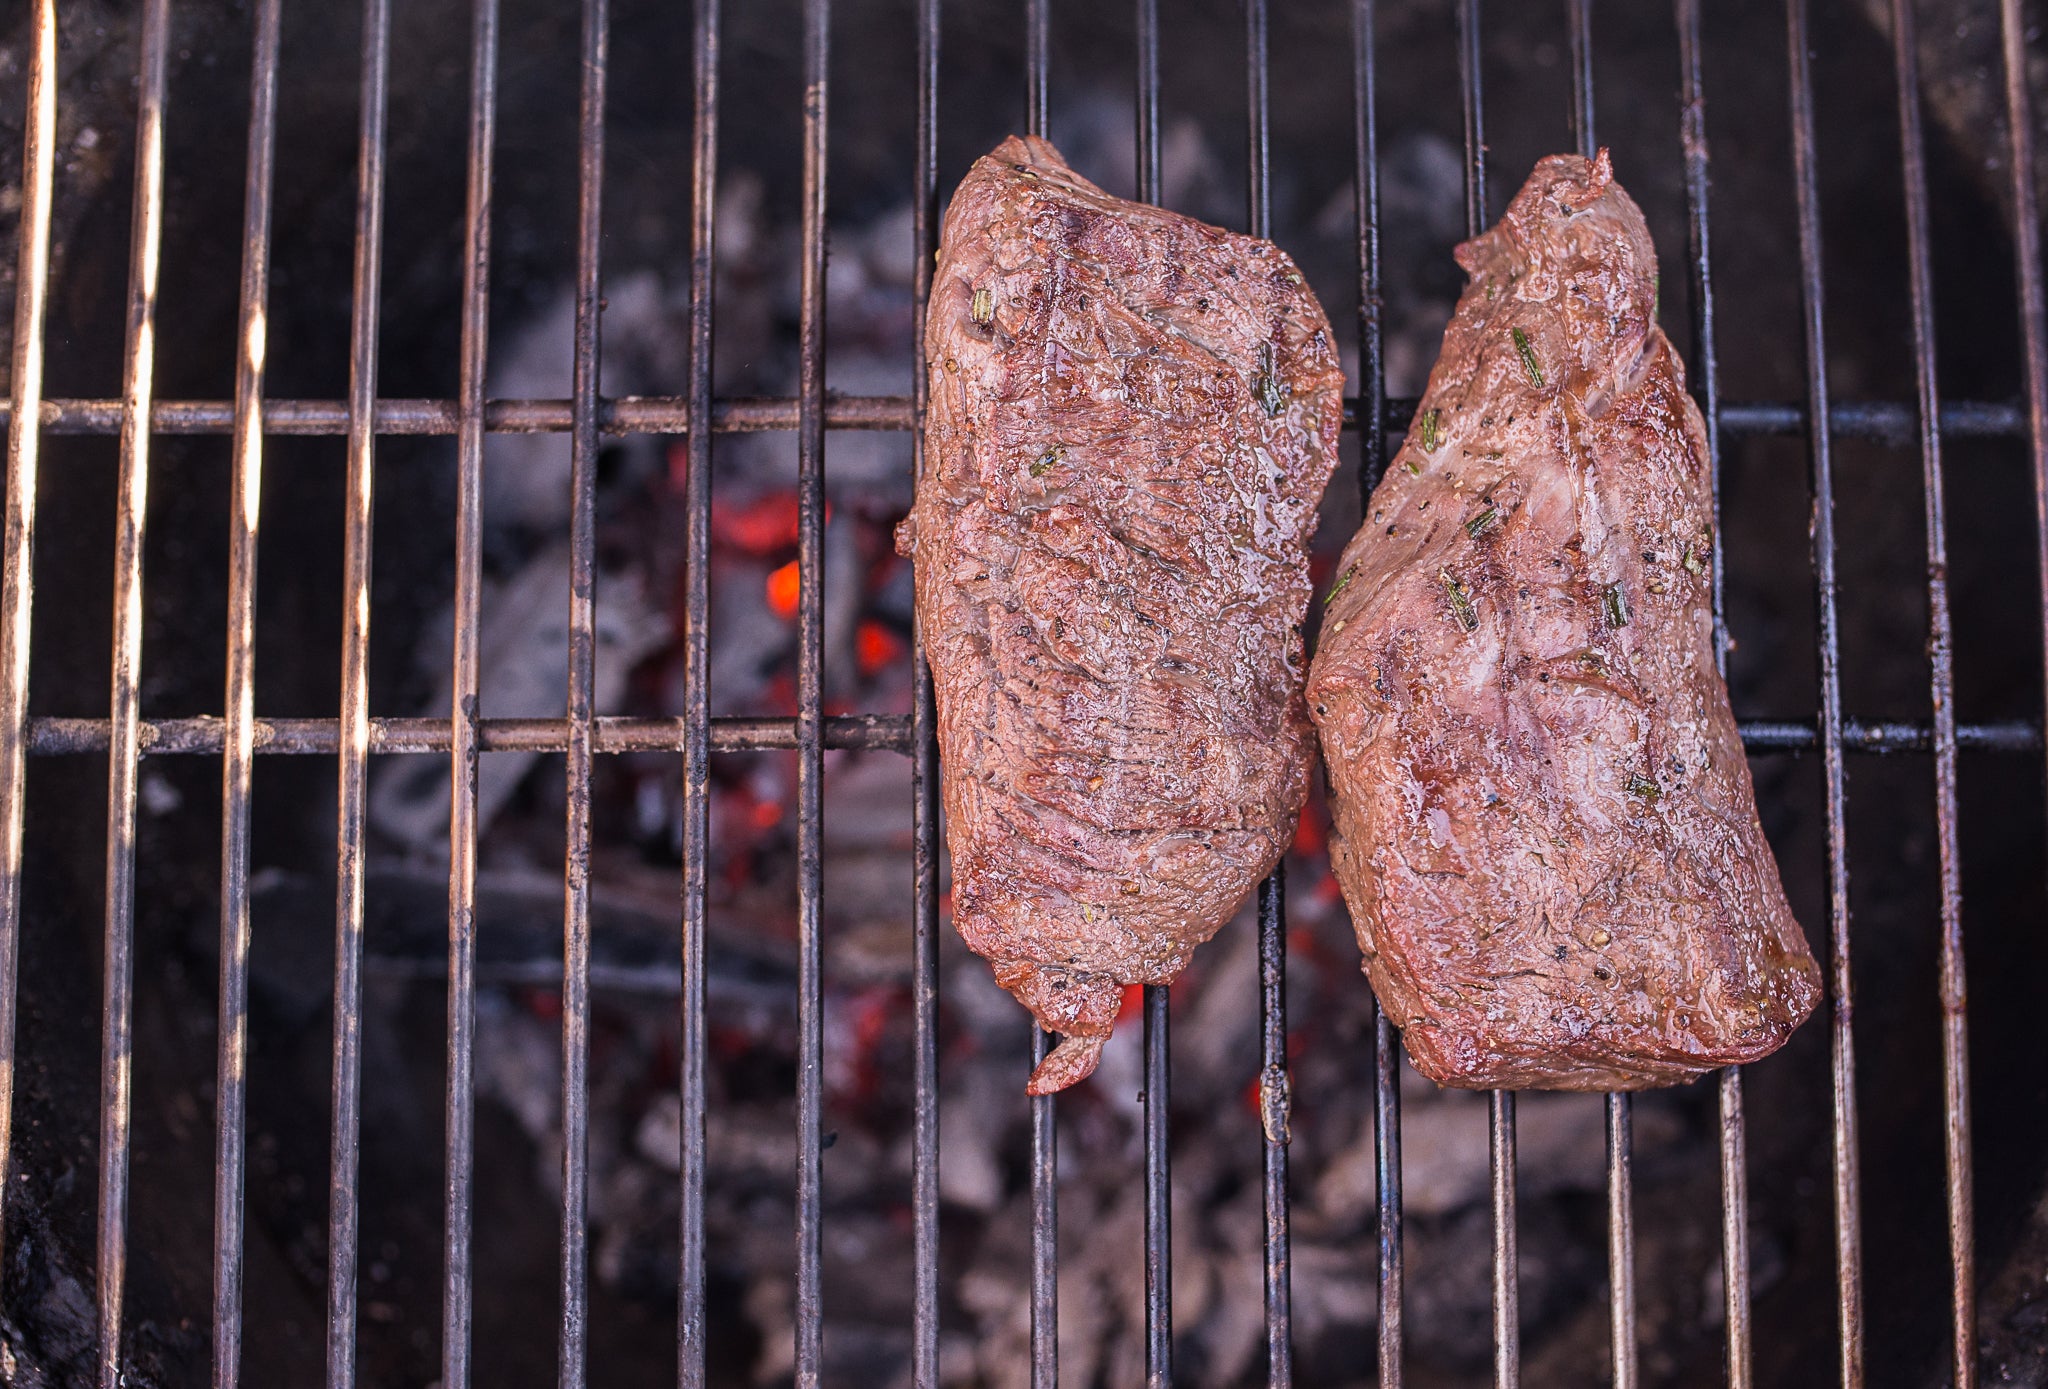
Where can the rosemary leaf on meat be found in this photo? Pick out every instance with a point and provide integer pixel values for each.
(1692, 561)
(1414, 467)
(1343, 582)
(1641, 786)
(1461, 600)
(1271, 394)
(984, 307)
(1528, 358)
(1432, 424)
(1480, 522)
(1616, 604)
(1056, 454)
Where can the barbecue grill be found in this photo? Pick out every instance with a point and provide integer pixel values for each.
(39, 1207)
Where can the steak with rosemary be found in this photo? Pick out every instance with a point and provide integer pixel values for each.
(1545, 827)
(1132, 419)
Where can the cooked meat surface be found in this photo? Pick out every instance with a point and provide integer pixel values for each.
(1546, 830)
(1132, 419)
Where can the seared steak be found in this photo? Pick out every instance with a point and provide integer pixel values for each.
(1132, 420)
(1546, 830)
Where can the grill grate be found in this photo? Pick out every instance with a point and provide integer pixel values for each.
(464, 736)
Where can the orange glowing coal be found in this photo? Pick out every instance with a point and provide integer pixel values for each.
(785, 586)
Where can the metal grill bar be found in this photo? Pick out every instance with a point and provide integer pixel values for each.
(1941, 679)
(924, 770)
(1848, 1212)
(1507, 1331)
(1621, 1236)
(416, 735)
(1386, 1082)
(1158, 1191)
(691, 1348)
(1887, 422)
(1707, 390)
(1276, 1101)
(1621, 1240)
(31, 299)
(1735, 1227)
(343, 1193)
(1037, 69)
(1045, 1224)
(117, 1008)
(810, 747)
(238, 731)
(1276, 1088)
(457, 1296)
(1370, 413)
(581, 698)
(853, 732)
(1045, 1230)
(123, 762)
(1507, 1349)
(1579, 25)
(1621, 1231)
(1158, 1057)
(1472, 95)
(1372, 462)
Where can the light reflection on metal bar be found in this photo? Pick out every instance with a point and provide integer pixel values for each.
(17, 545)
(457, 1291)
(344, 1198)
(123, 763)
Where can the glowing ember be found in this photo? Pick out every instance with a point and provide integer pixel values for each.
(785, 586)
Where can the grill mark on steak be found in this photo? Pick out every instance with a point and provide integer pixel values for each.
(1544, 823)
(1109, 539)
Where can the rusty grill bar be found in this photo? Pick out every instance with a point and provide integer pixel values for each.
(690, 1329)
(1707, 390)
(696, 417)
(1847, 1160)
(123, 761)
(1941, 677)
(457, 1297)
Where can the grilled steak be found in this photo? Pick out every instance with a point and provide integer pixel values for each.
(1546, 830)
(1132, 420)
